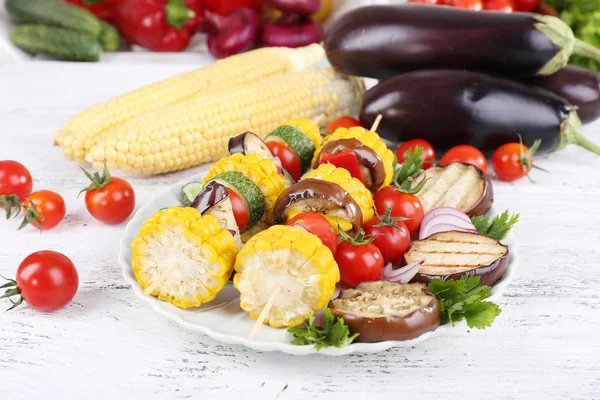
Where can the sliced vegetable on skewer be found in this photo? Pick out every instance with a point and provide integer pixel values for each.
(289, 258)
(189, 254)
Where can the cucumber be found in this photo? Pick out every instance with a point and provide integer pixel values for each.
(247, 190)
(110, 38)
(54, 13)
(59, 43)
(189, 192)
(297, 140)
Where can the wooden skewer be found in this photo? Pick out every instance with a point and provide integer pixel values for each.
(163, 277)
(376, 123)
(263, 314)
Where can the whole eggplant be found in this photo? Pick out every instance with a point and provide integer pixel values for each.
(579, 86)
(384, 41)
(450, 107)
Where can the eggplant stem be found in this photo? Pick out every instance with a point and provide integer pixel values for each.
(571, 134)
(585, 49)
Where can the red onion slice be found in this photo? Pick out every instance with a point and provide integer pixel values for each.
(279, 165)
(300, 227)
(443, 227)
(444, 219)
(401, 275)
(445, 210)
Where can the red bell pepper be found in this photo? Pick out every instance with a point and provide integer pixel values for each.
(102, 9)
(226, 6)
(344, 159)
(159, 25)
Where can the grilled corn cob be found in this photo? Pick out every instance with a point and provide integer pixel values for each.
(289, 258)
(368, 138)
(85, 129)
(261, 171)
(197, 131)
(203, 255)
(352, 186)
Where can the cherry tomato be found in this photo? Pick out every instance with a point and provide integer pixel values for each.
(113, 203)
(49, 206)
(546, 9)
(428, 155)
(401, 205)
(342, 122)
(527, 5)
(433, 2)
(46, 280)
(241, 211)
(358, 263)
(476, 5)
(15, 179)
(512, 161)
(391, 237)
(289, 158)
(465, 154)
(317, 225)
(506, 6)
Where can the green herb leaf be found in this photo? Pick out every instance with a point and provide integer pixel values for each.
(463, 299)
(412, 166)
(335, 333)
(497, 227)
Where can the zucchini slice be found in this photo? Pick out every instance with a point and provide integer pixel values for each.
(189, 192)
(296, 140)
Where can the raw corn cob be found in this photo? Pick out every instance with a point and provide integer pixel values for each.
(202, 252)
(198, 130)
(260, 170)
(289, 258)
(368, 138)
(352, 186)
(84, 130)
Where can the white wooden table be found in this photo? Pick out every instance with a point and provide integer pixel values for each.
(107, 345)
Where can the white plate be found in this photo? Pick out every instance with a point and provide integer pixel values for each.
(224, 320)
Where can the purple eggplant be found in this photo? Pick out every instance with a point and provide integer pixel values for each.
(384, 41)
(450, 107)
(579, 86)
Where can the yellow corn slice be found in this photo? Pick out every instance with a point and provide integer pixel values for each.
(261, 171)
(369, 139)
(197, 131)
(85, 129)
(204, 255)
(354, 187)
(292, 259)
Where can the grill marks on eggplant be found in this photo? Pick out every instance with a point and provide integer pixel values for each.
(457, 185)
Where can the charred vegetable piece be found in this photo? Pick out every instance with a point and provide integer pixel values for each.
(295, 261)
(326, 198)
(462, 186)
(579, 86)
(449, 255)
(385, 41)
(192, 250)
(382, 310)
(249, 207)
(214, 200)
(189, 192)
(449, 108)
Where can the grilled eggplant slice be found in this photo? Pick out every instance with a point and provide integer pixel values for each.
(458, 185)
(318, 196)
(449, 255)
(214, 200)
(249, 143)
(382, 310)
(371, 165)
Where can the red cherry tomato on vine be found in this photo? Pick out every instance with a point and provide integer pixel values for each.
(358, 263)
(44, 209)
(289, 158)
(401, 205)
(392, 237)
(15, 179)
(343, 122)
(512, 161)
(506, 6)
(46, 281)
(428, 155)
(466, 154)
(317, 225)
(109, 199)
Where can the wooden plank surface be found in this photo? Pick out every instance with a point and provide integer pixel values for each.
(107, 345)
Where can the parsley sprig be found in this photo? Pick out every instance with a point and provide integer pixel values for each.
(497, 227)
(335, 333)
(463, 299)
(406, 174)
